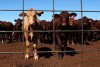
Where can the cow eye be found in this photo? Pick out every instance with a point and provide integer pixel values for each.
(27, 15)
(34, 16)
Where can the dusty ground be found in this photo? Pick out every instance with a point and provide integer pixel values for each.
(90, 57)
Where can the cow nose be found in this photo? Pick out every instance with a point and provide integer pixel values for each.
(31, 23)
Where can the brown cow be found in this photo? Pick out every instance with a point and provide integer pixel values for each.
(18, 27)
(97, 25)
(45, 37)
(2, 34)
(43, 28)
(8, 27)
(31, 23)
(60, 22)
(71, 26)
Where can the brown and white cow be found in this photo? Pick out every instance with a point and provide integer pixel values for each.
(31, 22)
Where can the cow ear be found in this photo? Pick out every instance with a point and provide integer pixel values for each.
(22, 20)
(39, 13)
(22, 14)
(15, 20)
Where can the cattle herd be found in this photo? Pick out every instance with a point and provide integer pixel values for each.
(66, 29)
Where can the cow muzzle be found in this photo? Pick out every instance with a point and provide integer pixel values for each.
(31, 23)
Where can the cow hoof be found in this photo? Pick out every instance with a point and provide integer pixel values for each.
(72, 43)
(26, 56)
(36, 58)
(60, 58)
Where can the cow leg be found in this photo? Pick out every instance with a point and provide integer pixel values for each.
(31, 35)
(35, 41)
(2, 38)
(59, 47)
(9, 35)
(58, 39)
(27, 46)
(27, 50)
(35, 52)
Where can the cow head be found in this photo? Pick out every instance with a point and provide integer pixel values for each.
(18, 24)
(71, 18)
(31, 15)
(65, 17)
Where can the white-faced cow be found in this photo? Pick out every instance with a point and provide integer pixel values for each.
(30, 23)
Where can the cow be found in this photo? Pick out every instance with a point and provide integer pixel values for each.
(43, 28)
(49, 34)
(8, 27)
(97, 25)
(18, 27)
(60, 22)
(2, 28)
(71, 26)
(45, 37)
(94, 35)
(31, 23)
(77, 25)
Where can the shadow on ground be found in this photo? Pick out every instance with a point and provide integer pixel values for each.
(71, 51)
(43, 52)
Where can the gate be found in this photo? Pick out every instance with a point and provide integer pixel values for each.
(82, 54)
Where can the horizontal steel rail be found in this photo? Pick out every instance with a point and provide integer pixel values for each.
(55, 10)
(56, 31)
(53, 51)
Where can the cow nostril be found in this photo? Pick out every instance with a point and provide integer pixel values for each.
(31, 23)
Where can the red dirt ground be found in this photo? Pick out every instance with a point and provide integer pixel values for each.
(90, 57)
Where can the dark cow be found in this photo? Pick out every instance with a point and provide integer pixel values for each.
(18, 27)
(94, 34)
(43, 28)
(72, 26)
(88, 27)
(8, 27)
(45, 37)
(60, 22)
(2, 28)
(77, 25)
(97, 24)
(49, 34)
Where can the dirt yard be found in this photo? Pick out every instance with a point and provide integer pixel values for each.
(11, 55)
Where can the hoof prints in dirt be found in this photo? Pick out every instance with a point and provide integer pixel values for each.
(25, 65)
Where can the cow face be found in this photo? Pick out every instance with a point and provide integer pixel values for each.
(65, 17)
(18, 24)
(31, 16)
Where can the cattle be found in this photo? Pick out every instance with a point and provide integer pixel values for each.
(49, 34)
(72, 26)
(18, 27)
(86, 26)
(46, 37)
(60, 22)
(8, 27)
(95, 25)
(43, 28)
(77, 25)
(31, 23)
(2, 28)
